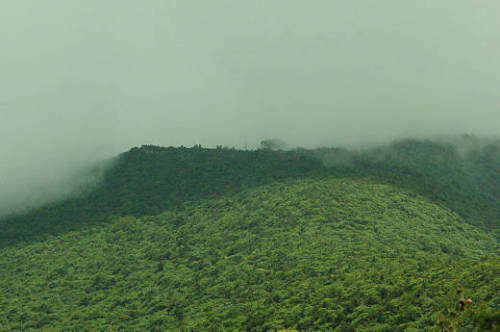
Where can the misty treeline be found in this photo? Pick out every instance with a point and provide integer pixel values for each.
(182, 239)
(25, 192)
(462, 174)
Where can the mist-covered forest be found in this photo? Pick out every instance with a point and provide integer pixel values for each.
(222, 165)
(189, 239)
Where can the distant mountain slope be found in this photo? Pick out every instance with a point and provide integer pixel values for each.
(151, 179)
(316, 255)
(462, 175)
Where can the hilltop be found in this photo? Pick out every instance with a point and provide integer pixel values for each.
(462, 175)
(189, 239)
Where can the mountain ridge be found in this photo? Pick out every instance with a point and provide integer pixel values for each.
(150, 179)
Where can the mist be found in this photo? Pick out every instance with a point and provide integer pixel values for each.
(81, 81)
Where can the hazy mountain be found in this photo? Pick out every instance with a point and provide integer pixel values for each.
(190, 239)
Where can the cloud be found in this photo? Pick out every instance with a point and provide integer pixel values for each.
(84, 80)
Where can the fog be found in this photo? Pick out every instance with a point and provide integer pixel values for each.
(84, 80)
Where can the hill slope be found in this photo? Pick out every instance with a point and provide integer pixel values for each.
(461, 173)
(148, 180)
(331, 254)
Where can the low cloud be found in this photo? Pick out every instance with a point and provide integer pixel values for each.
(83, 81)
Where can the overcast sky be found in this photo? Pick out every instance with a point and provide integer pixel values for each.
(84, 79)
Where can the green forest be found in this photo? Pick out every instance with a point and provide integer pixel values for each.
(390, 238)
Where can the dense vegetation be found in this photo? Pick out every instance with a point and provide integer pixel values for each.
(194, 239)
(462, 174)
(151, 179)
(464, 177)
(324, 255)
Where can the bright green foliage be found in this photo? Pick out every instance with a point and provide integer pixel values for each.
(178, 239)
(458, 316)
(307, 254)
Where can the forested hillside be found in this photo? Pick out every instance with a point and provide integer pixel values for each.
(196, 239)
(314, 255)
(150, 179)
(462, 174)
